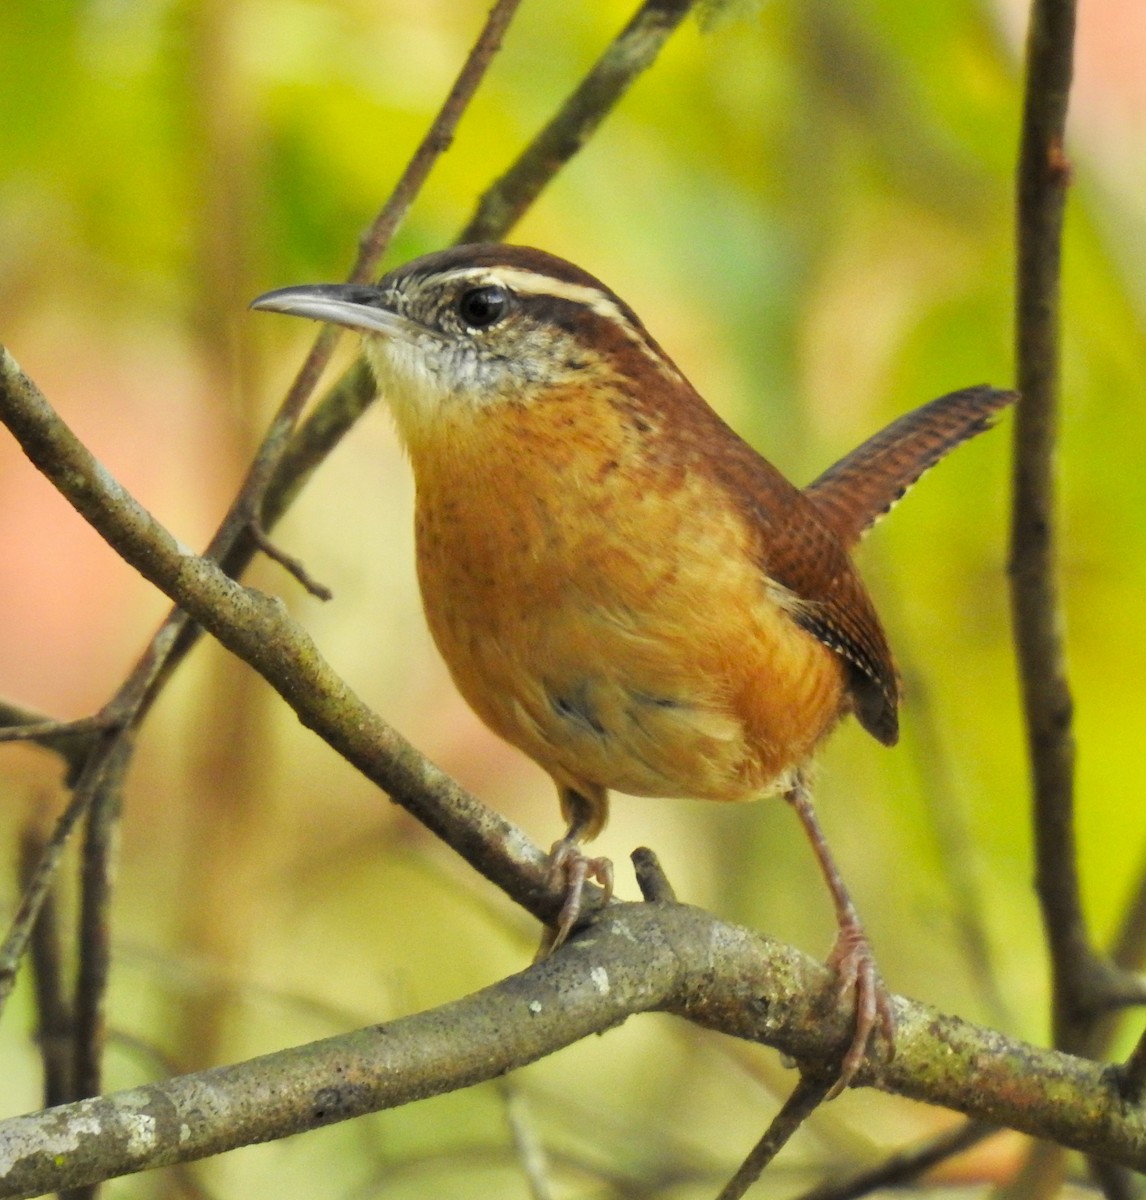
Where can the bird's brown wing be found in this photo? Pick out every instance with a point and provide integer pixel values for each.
(855, 492)
(801, 553)
(806, 558)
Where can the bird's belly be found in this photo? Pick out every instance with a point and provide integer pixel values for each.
(703, 698)
(615, 625)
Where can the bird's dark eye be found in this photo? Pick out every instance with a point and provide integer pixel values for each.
(481, 307)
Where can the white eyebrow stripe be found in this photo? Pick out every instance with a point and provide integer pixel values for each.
(531, 283)
(535, 283)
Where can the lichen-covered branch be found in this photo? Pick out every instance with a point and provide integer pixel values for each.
(638, 958)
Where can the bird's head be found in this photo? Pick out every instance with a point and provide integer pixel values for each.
(480, 325)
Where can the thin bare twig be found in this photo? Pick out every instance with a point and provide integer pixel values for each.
(1043, 176)
(526, 1144)
(905, 1165)
(1133, 1072)
(54, 1019)
(1128, 948)
(71, 740)
(48, 731)
(1116, 1182)
(94, 941)
(630, 54)
(41, 875)
(15, 715)
(372, 246)
(436, 142)
(1084, 983)
(807, 1096)
(292, 565)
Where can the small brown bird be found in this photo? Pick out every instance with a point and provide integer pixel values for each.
(620, 585)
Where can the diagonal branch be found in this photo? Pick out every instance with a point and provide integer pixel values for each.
(807, 1096)
(641, 958)
(905, 1165)
(630, 54)
(258, 629)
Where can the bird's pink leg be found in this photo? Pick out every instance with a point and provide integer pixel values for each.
(569, 867)
(851, 957)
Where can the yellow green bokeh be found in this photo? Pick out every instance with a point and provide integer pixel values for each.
(810, 204)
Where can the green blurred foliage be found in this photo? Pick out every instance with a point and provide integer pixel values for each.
(811, 206)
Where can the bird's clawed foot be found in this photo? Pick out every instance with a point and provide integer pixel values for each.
(852, 960)
(569, 867)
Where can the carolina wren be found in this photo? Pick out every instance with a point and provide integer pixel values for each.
(620, 585)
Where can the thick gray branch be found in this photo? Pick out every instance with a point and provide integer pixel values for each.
(636, 958)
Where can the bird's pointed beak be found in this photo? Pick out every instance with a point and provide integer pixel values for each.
(357, 306)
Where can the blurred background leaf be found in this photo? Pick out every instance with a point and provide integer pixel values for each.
(810, 204)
